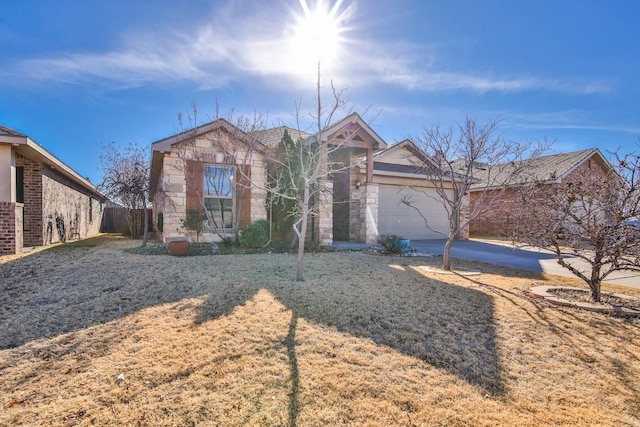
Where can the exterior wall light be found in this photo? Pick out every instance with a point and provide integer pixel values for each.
(358, 183)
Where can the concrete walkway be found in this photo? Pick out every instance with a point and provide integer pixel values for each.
(505, 254)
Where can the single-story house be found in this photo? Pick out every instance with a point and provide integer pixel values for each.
(549, 170)
(218, 166)
(42, 200)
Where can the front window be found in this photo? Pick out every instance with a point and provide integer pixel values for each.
(218, 196)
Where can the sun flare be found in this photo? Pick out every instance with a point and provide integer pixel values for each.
(318, 33)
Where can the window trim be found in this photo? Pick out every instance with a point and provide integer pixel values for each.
(209, 224)
(19, 184)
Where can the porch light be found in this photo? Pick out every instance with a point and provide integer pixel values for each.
(358, 183)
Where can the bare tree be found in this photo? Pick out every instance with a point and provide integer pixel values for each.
(126, 180)
(463, 158)
(593, 217)
(300, 172)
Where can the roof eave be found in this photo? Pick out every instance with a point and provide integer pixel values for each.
(32, 150)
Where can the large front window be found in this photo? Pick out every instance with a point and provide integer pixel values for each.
(218, 196)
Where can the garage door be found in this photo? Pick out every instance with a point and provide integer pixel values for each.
(394, 217)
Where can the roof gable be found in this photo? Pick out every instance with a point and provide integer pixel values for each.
(402, 158)
(404, 153)
(351, 131)
(167, 144)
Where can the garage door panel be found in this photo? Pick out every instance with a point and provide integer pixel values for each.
(394, 217)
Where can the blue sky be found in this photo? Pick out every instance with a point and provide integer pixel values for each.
(76, 74)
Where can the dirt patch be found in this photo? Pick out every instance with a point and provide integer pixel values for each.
(94, 335)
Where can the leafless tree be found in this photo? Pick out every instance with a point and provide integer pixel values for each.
(126, 181)
(462, 158)
(593, 217)
(301, 173)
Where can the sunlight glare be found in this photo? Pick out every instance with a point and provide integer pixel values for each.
(317, 33)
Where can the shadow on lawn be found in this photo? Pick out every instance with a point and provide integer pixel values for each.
(447, 326)
(450, 327)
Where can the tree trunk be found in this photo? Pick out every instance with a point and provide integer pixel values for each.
(303, 232)
(596, 282)
(446, 256)
(595, 290)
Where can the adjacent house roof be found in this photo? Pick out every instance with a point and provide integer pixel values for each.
(27, 147)
(549, 169)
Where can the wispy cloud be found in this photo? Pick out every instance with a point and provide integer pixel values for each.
(420, 68)
(225, 50)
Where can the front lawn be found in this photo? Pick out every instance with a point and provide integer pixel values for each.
(91, 334)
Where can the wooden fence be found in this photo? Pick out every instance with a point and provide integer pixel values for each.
(114, 220)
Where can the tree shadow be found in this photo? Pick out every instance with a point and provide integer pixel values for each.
(63, 290)
(290, 344)
(447, 326)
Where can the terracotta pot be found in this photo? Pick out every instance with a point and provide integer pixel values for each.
(178, 247)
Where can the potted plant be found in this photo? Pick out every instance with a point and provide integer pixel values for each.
(178, 246)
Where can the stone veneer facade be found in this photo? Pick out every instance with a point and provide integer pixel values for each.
(171, 201)
(325, 214)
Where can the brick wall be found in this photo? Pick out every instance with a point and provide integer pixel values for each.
(50, 200)
(32, 231)
(499, 221)
(7, 228)
(19, 226)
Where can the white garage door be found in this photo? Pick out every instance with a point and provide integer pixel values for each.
(394, 217)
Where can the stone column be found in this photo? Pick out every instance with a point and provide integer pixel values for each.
(325, 213)
(369, 213)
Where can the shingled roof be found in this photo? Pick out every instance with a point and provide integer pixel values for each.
(5, 131)
(272, 137)
(549, 169)
(29, 148)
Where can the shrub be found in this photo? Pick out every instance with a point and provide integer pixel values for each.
(392, 244)
(279, 247)
(256, 235)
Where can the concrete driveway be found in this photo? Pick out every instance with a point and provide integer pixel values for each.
(525, 259)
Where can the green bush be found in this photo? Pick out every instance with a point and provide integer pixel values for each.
(255, 235)
(392, 243)
(279, 247)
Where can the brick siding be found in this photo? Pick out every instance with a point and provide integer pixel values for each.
(32, 231)
(7, 228)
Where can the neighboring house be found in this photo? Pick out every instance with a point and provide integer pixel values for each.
(42, 200)
(550, 170)
(363, 200)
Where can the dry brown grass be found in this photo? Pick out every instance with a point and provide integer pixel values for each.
(365, 340)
